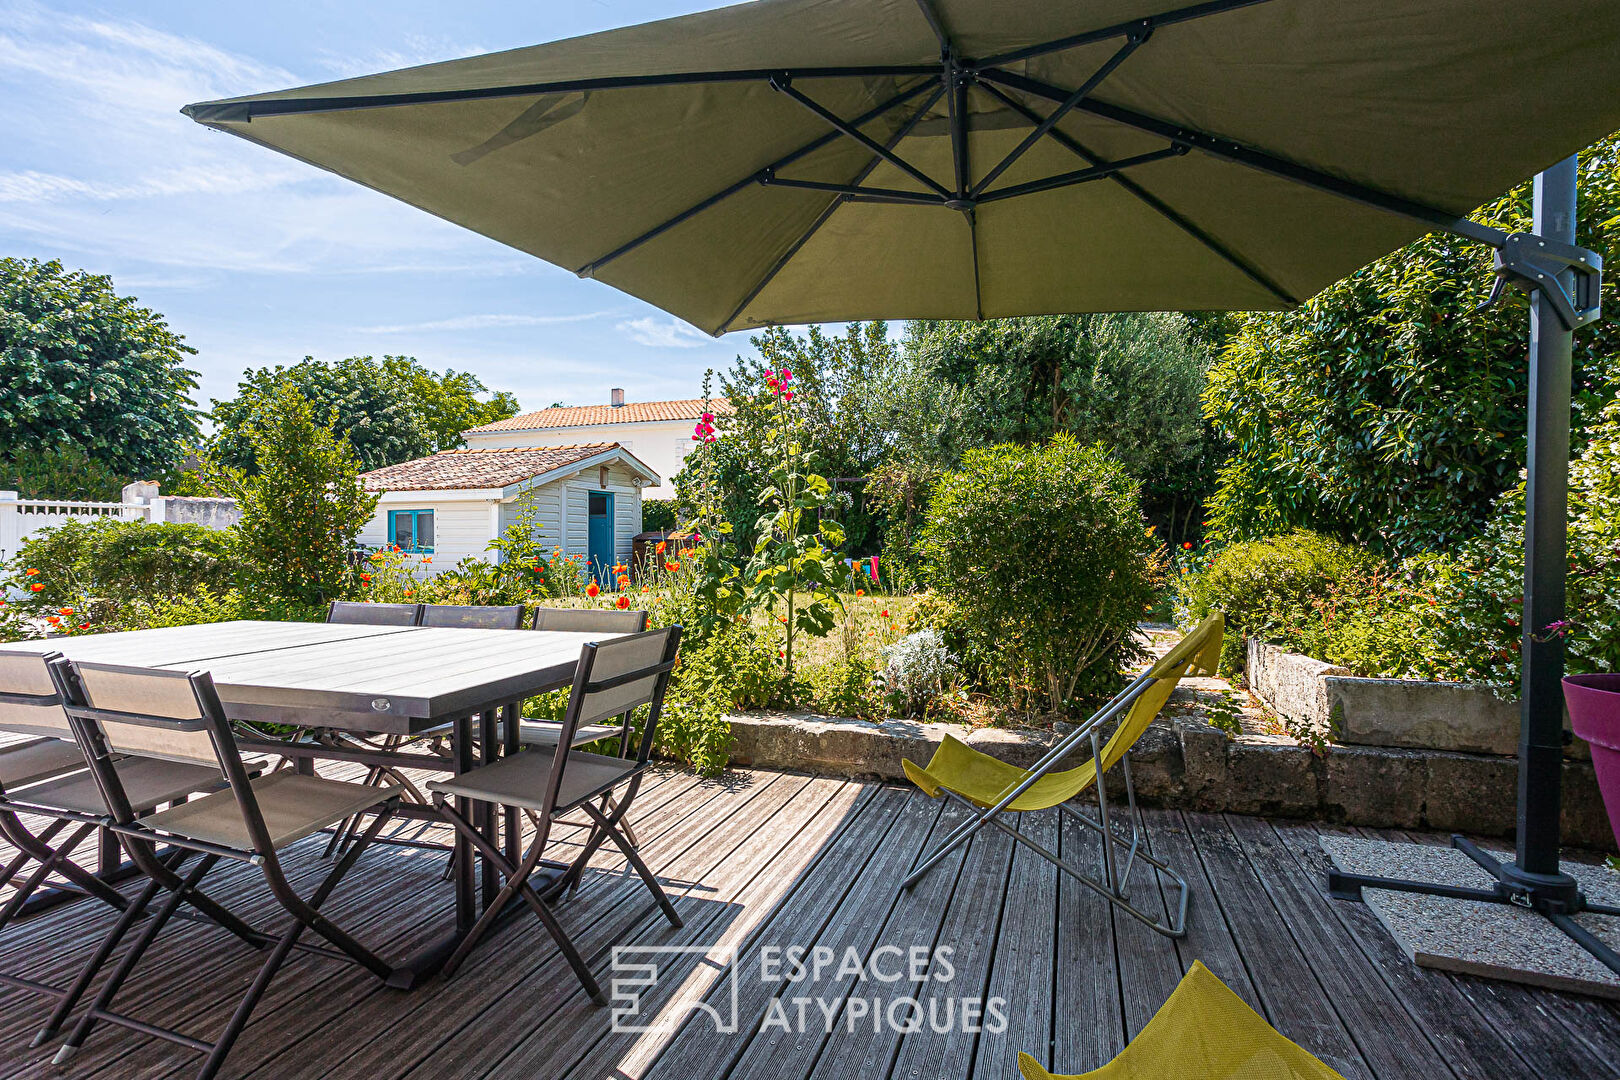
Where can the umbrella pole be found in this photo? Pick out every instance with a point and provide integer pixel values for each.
(1534, 878)
(1546, 521)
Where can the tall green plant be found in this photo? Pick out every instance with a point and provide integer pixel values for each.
(716, 593)
(304, 508)
(796, 562)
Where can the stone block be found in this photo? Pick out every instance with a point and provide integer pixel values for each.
(1431, 715)
(1273, 777)
(1376, 788)
(1470, 793)
(1291, 684)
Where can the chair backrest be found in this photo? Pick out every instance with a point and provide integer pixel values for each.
(1197, 653)
(29, 701)
(348, 611)
(473, 617)
(157, 713)
(590, 620)
(612, 680)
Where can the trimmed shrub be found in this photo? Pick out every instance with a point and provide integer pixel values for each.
(1045, 553)
(1266, 587)
(122, 561)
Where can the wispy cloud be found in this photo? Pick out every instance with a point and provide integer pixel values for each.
(412, 51)
(656, 333)
(484, 322)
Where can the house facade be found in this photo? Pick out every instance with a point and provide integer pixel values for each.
(656, 432)
(587, 499)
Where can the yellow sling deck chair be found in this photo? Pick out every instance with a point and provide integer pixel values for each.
(988, 787)
(1203, 1031)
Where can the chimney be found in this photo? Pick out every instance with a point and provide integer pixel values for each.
(618, 396)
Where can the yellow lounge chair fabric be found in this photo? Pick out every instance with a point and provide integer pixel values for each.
(984, 781)
(1203, 1031)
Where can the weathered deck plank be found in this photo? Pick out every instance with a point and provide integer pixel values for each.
(779, 860)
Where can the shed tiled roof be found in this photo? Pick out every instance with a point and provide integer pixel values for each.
(634, 412)
(487, 468)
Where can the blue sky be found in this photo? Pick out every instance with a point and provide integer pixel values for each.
(257, 259)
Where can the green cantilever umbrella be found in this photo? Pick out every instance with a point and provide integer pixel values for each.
(793, 161)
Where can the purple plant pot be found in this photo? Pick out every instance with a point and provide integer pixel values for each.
(1594, 713)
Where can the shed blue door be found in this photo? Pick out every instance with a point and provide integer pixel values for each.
(599, 537)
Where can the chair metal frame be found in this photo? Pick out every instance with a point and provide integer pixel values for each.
(607, 820)
(141, 843)
(1113, 883)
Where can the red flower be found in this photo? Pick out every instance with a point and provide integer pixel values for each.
(592, 591)
(35, 587)
(672, 567)
(860, 592)
(84, 626)
(1187, 545)
(30, 572)
(884, 613)
(622, 603)
(662, 547)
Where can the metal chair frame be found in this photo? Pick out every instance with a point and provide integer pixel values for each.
(607, 820)
(162, 874)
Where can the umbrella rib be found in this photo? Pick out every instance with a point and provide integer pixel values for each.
(1082, 176)
(1148, 23)
(821, 219)
(1133, 41)
(1158, 205)
(785, 86)
(1261, 161)
(222, 112)
(935, 24)
(753, 178)
(860, 194)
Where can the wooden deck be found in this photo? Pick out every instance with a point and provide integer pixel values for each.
(762, 860)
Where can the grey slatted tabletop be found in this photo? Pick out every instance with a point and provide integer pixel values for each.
(384, 679)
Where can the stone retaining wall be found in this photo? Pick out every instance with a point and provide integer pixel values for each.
(1184, 762)
(1387, 712)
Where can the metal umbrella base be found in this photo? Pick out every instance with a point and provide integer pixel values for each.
(1536, 938)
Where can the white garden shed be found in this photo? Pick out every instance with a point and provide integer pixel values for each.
(451, 505)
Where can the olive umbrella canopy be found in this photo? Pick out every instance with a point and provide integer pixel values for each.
(793, 161)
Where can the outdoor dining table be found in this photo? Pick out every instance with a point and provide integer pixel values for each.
(368, 680)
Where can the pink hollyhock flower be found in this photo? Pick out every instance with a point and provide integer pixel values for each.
(708, 418)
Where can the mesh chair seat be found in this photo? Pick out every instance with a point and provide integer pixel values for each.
(1202, 1030)
(41, 759)
(294, 806)
(148, 782)
(521, 780)
(547, 732)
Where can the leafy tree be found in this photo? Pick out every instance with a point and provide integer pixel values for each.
(448, 403)
(1129, 381)
(1387, 410)
(85, 367)
(392, 410)
(843, 430)
(59, 472)
(303, 507)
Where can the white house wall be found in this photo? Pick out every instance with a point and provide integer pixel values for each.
(461, 527)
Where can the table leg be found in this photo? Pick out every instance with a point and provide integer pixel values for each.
(487, 750)
(512, 827)
(466, 902)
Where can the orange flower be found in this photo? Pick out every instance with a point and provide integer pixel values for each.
(54, 620)
(35, 587)
(592, 591)
(672, 567)
(646, 589)
(1187, 546)
(622, 603)
(65, 611)
(860, 592)
(624, 581)
(30, 572)
(84, 626)
(662, 547)
(781, 618)
(365, 584)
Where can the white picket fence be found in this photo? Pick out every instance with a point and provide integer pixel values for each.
(21, 518)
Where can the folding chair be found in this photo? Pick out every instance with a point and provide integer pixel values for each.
(988, 787)
(1202, 1031)
(175, 716)
(613, 678)
(449, 616)
(47, 777)
(472, 616)
(363, 614)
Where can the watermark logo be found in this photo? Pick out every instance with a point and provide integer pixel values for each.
(806, 989)
(639, 969)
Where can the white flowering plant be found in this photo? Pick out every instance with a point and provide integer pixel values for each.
(918, 673)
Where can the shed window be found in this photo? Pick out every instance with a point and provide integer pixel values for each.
(412, 530)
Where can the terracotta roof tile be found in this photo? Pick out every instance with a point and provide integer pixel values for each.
(485, 468)
(634, 412)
